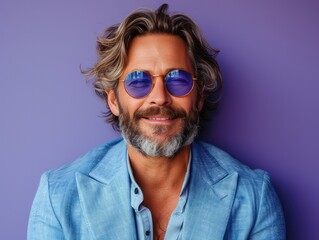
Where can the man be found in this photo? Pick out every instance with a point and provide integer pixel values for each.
(156, 74)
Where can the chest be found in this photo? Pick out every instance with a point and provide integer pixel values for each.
(159, 219)
(160, 223)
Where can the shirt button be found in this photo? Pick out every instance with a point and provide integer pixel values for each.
(136, 190)
(147, 233)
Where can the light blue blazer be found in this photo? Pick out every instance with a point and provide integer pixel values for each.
(90, 199)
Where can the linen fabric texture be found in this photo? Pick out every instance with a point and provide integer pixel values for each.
(91, 199)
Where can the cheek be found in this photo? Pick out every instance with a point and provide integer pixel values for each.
(190, 102)
(128, 104)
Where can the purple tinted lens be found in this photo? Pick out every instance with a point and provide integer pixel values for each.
(138, 84)
(179, 82)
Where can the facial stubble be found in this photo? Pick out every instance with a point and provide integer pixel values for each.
(150, 146)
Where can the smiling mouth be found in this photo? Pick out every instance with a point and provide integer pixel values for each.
(160, 115)
(159, 118)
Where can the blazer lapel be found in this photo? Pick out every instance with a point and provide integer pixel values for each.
(211, 195)
(105, 197)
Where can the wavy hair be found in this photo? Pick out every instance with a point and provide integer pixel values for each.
(113, 45)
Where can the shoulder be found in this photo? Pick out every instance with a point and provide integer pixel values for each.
(256, 209)
(252, 185)
(213, 157)
(212, 153)
(56, 206)
(85, 164)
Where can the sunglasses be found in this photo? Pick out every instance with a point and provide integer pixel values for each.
(139, 84)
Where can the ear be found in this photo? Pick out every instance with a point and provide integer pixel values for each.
(112, 102)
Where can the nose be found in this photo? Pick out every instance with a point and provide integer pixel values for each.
(159, 95)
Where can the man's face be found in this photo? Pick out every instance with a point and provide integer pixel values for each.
(159, 124)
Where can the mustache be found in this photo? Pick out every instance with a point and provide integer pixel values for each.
(166, 111)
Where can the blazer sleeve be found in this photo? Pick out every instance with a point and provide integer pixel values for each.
(270, 223)
(43, 223)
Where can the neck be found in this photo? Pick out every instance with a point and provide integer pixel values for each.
(159, 172)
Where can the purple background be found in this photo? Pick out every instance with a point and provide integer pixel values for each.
(268, 117)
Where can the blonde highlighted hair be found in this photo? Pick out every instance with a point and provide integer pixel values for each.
(113, 45)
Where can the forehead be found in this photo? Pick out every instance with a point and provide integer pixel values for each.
(158, 52)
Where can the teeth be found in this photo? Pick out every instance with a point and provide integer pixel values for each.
(159, 119)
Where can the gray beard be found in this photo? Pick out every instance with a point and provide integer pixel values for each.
(133, 135)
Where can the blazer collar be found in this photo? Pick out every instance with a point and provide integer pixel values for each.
(211, 195)
(105, 197)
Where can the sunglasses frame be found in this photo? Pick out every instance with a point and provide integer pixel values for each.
(164, 76)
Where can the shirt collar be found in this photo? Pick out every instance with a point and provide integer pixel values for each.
(137, 194)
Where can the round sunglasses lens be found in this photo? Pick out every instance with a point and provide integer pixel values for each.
(138, 84)
(179, 82)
